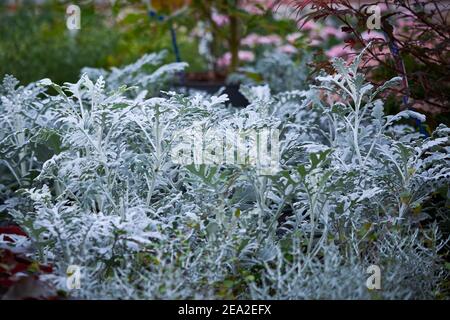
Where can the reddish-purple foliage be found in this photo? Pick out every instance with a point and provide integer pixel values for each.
(412, 33)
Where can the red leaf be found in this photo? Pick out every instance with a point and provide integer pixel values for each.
(13, 230)
(6, 238)
(350, 42)
(46, 269)
(6, 282)
(19, 267)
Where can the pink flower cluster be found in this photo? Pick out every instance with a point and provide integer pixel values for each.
(220, 19)
(380, 49)
(319, 34)
(288, 48)
(254, 39)
(255, 6)
(243, 55)
(342, 50)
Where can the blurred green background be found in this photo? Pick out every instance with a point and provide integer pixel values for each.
(35, 42)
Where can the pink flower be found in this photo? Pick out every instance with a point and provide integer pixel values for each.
(405, 22)
(309, 25)
(315, 42)
(220, 19)
(287, 48)
(291, 38)
(340, 50)
(225, 60)
(372, 35)
(270, 39)
(256, 6)
(244, 55)
(383, 7)
(328, 31)
(253, 39)
(405, 27)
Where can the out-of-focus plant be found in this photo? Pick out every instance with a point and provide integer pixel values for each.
(36, 43)
(229, 22)
(279, 70)
(145, 76)
(153, 26)
(24, 116)
(351, 189)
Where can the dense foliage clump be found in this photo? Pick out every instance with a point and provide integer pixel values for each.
(353, 188)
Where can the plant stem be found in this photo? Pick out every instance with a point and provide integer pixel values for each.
(234, 42)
